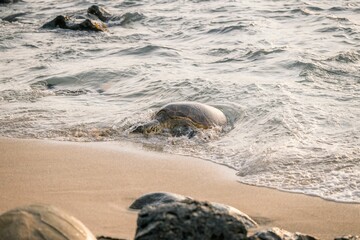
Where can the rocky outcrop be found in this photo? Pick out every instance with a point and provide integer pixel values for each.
(96, 18)
(348, 237)
(13, 17)
(38, 222)
(72, 23)
(188, 219)
(93, 20)
(158, 198)
(248, 222)
(279, 234)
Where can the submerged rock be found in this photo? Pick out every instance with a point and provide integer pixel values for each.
(96, 18)
(13, 17)
(93, 20)
(67, 22)
(188, 219)
(279, 234)
(38, 222)
(157, 198)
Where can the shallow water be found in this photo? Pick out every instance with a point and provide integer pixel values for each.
(285, 73)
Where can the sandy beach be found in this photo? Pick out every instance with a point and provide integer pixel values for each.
(96, 182)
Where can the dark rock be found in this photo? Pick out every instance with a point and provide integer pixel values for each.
(279, 234)
(13, 17)
(108, 238)
(100, 12)
(93, 20)
(348, 237)
(187, 220)
(249, 223)
(67, 22)
(8, 1)
(156, 198)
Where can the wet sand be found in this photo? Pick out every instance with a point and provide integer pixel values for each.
(96, 182)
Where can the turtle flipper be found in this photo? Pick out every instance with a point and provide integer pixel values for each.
(183, 130)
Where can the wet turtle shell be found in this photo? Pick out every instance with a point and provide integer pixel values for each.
(38, 222)
(197, 114)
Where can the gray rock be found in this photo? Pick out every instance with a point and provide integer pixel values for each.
(249, 223)
(13, 17)
(156, 198)
(39, 222)
(188, 220)
(348, 237)
(279, 234)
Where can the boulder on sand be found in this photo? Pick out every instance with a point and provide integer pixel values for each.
(188, 219)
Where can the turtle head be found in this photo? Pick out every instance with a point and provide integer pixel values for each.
(152, 127)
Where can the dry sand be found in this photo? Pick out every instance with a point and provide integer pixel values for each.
(96, 182)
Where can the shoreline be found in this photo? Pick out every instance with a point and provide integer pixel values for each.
(96, 182)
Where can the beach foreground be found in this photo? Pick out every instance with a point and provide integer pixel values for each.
(97, 182)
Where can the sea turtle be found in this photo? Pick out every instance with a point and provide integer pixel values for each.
(183, 118)
(93, 20)
(38, 222)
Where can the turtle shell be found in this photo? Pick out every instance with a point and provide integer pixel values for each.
(198, 114)
(38, 222)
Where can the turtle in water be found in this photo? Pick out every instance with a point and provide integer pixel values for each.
(94, 20)
(182, 118)
(38, 222)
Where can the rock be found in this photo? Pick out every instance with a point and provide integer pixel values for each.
(188, 219)
(8, 1)
(249, 223)
(76, 23)
(279, 234)
(108, 238)
(348, 237)
(156, 198)
(93, 20)
(38, 222)
(13, 17)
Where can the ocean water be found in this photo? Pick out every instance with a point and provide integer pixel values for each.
(286, 73)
